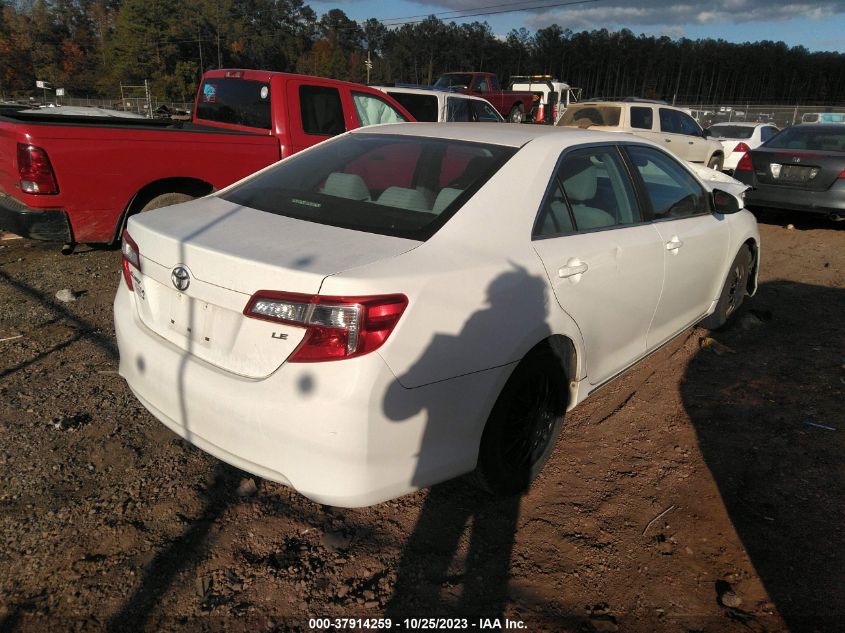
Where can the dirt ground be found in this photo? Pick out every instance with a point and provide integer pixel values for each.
(703, 490)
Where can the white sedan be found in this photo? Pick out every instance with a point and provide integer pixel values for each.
(739, 138)
(406, 303)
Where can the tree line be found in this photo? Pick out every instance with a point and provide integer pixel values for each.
(91, 47)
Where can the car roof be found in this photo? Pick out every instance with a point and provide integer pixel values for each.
(740, 123)
(510, 135)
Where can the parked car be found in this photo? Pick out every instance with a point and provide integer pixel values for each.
(823, 117)
(554, 95)
(800, 169)
(738, 138)
(431, 106)
(516, 106)
(76, 179)
(350, 322)
(666, 125)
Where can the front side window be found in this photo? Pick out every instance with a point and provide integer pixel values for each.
(378, 183)
(235, 101)
(321, 110)
(670, 188)
(373, 110)
(594, 189)
(688, 125)
(642, 118)
(457, 110)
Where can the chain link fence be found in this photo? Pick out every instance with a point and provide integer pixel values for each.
(780, 115)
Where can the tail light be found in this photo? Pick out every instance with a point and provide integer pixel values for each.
(35, 171)
(131, 256)
(336, 327)
(741, 147)
(842, 174)
(745, 163)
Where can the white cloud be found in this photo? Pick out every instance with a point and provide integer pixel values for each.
(668, 15)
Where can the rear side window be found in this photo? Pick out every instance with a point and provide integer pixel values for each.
(588, 115)
(388, 184)
(422, 107)
(322, 111)
(642, 118)
(373, 110)
(590, 190)
(235, 101)
(457, 110)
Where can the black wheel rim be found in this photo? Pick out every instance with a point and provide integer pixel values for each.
(736, 291)
(532, 423)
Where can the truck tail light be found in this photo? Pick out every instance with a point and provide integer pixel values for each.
(35, 171)
(741, 147)
(131, 256)
(745, 163)
(336, 327)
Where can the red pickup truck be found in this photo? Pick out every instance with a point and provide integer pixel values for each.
(76, 179)
(515, 106)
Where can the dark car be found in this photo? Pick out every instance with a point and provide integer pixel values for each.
(800, 169)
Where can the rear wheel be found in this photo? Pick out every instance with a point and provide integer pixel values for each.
(733, 292)
(716, 162)
(165, 200)
(517, 114)
(523, 426)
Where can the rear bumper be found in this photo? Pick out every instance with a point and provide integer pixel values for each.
(16, 217)
(341, 433)
(821, 202)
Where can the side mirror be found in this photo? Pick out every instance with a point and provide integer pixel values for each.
(705, 133)
(724, 203)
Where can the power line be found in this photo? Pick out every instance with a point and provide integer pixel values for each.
(412, 19)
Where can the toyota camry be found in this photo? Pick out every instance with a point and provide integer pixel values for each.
(407, 303)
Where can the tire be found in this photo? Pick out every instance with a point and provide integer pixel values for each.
(523, 426)
(517, 114)
(733, 292)
(716, 162)
(165, 200)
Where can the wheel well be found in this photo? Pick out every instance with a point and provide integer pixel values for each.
(563, 349)
(190, 186)
(755, 263)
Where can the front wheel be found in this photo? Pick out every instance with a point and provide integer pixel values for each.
(517, 114)
(523, 426)
(733, 292)
(716, 162)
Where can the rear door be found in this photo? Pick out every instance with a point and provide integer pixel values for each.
(604, 263)
(694, 241)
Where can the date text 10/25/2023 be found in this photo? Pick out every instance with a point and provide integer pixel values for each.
(416, 624)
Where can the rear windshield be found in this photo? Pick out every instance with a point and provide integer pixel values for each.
(730, 131)
(455, 80)
(236, 101)
(387, 184)
(821, 138)
(422, 107)
(585, 116)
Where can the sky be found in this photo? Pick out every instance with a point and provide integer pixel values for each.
(817, 25)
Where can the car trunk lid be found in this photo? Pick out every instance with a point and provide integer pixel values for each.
(806, 169)
(227, 252)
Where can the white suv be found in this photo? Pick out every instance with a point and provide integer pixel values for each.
(663, 124)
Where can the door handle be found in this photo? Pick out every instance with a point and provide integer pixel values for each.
(692, 142)
(668, 140)
(674, 244)
(572, 270)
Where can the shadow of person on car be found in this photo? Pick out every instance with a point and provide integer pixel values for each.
(433, 565)
(765, 419)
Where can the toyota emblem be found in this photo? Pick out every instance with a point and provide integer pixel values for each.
(181, 278)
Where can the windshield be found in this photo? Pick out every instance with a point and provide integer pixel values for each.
(730, 131)
(454, 80)
(585, 116)
(395, 185)
(236, 101)
(815, 137)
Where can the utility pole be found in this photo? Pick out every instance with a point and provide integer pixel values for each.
(369, 66)
(199, 45)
